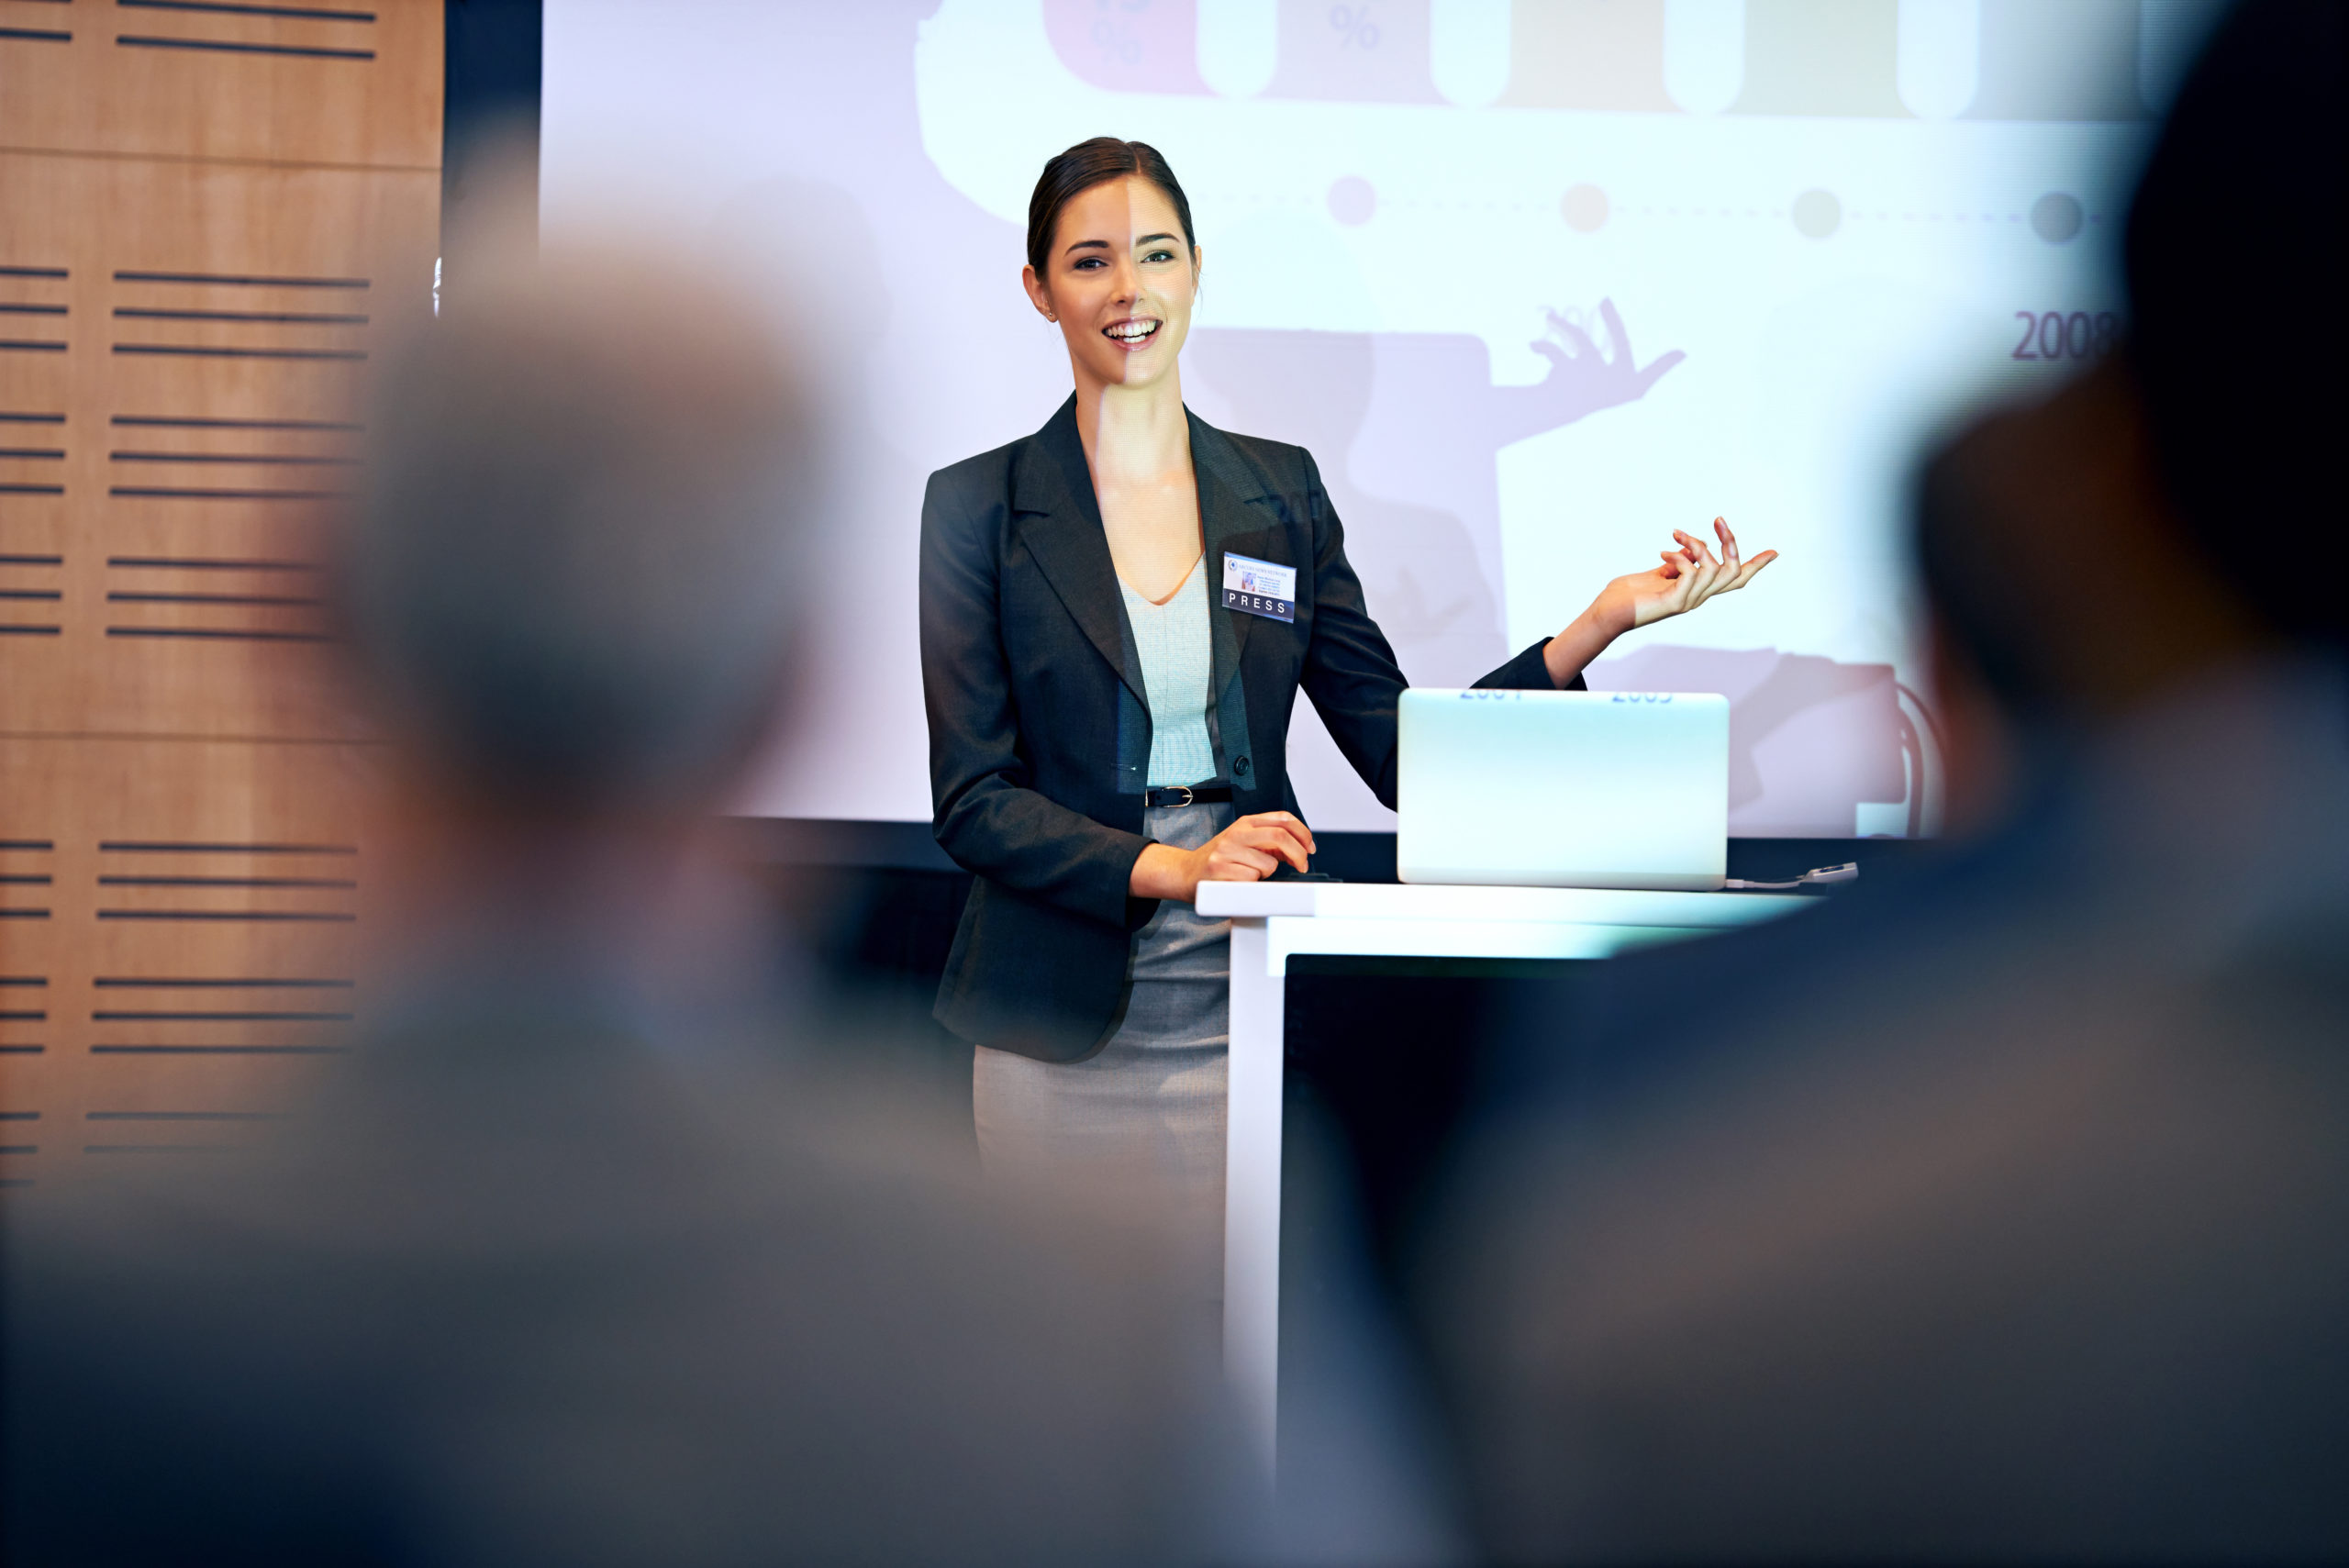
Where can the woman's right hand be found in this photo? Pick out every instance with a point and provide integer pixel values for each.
(1250, 850)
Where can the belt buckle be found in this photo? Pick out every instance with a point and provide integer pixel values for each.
(1188, 799)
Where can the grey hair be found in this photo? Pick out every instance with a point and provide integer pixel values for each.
(571, 572)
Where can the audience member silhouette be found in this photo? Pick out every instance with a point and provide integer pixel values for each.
(2004, 1212)
(587, 1256)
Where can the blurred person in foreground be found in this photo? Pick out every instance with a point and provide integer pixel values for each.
(585, 1256)
(2004, 1212)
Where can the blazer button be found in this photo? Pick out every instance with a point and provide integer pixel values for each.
(1239, 767)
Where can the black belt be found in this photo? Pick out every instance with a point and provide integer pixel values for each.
(1186, 795)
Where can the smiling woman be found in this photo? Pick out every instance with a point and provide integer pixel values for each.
(1117, 616)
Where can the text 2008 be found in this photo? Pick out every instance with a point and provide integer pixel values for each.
(2055, 335)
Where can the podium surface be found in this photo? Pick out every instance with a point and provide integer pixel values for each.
(1272, 921)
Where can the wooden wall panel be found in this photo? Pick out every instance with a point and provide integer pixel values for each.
(176, 428)
(326, 83)
(178, 941)
(205, 237)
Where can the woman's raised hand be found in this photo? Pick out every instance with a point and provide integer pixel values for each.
(1250, 850)
(1686, 578)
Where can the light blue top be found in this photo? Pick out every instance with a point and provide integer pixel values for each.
(1174, 642)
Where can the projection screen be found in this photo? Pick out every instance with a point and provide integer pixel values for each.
(1536, 283)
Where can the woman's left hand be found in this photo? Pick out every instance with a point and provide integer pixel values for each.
(1686, 578)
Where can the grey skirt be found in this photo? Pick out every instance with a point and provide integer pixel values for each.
(1147, 1110)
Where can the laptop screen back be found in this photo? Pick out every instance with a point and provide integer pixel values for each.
(1563, 789)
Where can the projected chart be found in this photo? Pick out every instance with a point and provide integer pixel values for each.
(1536, 283)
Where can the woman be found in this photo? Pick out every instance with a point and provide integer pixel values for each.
(1117, 614)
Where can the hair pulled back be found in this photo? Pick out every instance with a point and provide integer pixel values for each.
(1070, 174)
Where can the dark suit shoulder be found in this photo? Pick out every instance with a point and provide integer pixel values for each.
(986, 472)
(967, 502)
(1256, 465)
(1275, 457)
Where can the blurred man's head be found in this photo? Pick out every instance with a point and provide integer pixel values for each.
(2234, 265)
(571, 577)
(2172, 511)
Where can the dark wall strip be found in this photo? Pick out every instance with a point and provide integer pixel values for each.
(217, 634)
(34, 272)
(32, 419)
(280, 599)
(36, 844)
(319, 917)
(142, 983)
(229, 7)
(492, 57)
(220, 1050)
(23, 913)
(174, 423)
(191, 352)
(161, 847)
(29, 630)
(112, 1017)
(41, 452)
(35, 310)
(32, 347)
(205, 564)
(283, 460)
(128, 41)
(184, 493)
(30, 594)
(36, 35)
(32, 560)
(153, 1148)
(308, 318)
(240, 280)
(32, 490)
(224, 882)
(186, 1116)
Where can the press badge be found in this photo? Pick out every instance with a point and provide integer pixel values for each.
(1259, 587)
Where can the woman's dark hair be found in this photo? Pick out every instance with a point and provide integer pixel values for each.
(1089, 163)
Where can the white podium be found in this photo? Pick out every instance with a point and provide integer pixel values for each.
(1272, 920)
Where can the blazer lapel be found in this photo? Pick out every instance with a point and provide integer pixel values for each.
(1060, 519)
(1231, 491)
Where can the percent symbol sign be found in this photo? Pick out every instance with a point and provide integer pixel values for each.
(1353, 26)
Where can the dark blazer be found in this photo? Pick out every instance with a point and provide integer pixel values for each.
(1040, 723)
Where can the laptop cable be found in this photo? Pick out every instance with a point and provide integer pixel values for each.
(1820, 877)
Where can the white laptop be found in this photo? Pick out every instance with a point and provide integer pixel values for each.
(1563, 789)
